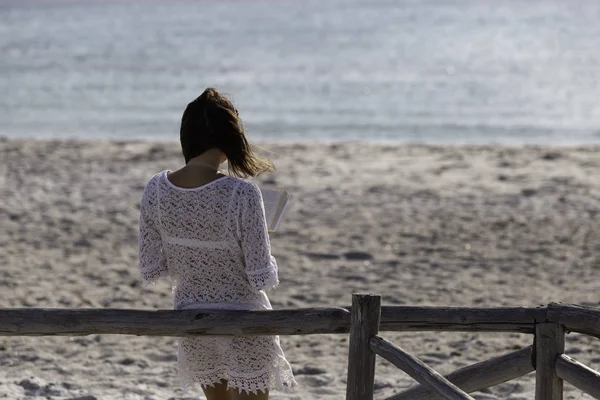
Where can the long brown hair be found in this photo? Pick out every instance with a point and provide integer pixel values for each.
(211, 121)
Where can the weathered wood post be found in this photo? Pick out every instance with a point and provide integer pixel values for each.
(366, 313)
(550, 343)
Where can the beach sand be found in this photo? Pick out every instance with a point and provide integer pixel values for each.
(420, 225)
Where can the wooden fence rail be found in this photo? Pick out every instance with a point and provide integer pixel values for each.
(578, 375)
(479, 376)
(301, 321)
(417, 369)
(364, 320)
(67, 322)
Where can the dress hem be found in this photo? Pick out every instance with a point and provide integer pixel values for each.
(214, 377)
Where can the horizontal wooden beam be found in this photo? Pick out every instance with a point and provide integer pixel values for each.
(576, 318)
(414, 367)
(478, 376)
(508, 319)
(304, 321)
(75, 322)
(578, 375)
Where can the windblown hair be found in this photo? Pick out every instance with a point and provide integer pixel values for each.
(211, 121)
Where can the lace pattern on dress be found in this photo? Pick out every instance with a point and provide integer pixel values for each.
(250, 364)
(264, 278)
(196, 243)
(153, 262)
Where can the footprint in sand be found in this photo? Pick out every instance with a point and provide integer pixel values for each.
(358, 256)
(84, 398)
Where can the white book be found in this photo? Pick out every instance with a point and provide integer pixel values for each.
(275, 202)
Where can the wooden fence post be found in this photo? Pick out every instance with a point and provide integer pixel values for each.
(366, 313)
(549, 344)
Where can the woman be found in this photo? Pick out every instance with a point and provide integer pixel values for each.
(207, 232)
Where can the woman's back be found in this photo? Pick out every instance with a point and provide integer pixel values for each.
(213, 242)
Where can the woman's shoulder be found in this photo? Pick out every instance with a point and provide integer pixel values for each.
(244, 186)
(156, 178)
(154, 181)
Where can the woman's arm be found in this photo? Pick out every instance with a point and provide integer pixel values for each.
(153, 263)
(260, 265)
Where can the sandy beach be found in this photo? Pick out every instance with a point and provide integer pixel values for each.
(420, 225)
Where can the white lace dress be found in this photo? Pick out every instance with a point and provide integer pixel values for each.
(212, 242)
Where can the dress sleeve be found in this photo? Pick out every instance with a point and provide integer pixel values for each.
(153, 263)
(260, 265)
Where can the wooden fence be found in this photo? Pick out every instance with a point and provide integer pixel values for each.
(364, 320)
(545, 356)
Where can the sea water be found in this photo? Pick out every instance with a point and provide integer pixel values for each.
(441, 71)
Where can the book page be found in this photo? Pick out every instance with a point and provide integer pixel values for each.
(275, 202)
